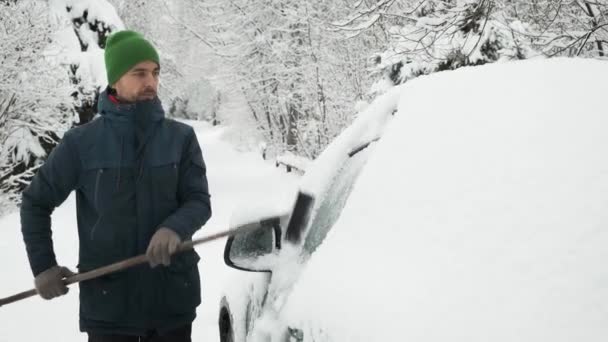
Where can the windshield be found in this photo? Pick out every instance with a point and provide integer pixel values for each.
(333, 199)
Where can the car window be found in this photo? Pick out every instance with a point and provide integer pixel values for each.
(333, 199)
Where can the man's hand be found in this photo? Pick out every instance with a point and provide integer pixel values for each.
(163, 244)
(49, 284)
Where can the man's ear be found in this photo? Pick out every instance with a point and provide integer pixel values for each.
(112, 89)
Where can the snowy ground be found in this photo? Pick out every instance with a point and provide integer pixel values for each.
(236, 180)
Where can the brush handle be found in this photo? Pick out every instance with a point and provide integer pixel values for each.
(131, 262)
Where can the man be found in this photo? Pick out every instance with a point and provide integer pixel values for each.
(141, 187)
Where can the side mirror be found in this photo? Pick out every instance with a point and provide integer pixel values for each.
(254, 251)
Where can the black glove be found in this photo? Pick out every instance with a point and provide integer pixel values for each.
(162, 245)
(50, 283)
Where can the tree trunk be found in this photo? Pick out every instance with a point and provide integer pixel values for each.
(292, 128)
(594, 25)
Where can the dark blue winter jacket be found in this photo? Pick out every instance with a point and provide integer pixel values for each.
(133, 171)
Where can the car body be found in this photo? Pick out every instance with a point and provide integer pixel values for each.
(477, 217)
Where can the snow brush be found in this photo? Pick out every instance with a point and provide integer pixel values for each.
(142, 259)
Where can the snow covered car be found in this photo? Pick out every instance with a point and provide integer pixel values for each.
(480, 215)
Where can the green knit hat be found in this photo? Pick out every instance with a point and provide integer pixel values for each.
(124, 49)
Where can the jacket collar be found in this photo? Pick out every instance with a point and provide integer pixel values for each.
(145, 115)
(142, 111)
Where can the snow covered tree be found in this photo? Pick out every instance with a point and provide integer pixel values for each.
(435, 35)
(35, 106)
(52, 71)
(86, 24)
(425, 36)
(565, 27)
(300, 80)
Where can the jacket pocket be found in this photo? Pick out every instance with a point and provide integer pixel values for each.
(164, 178)
(106, 218)
(104, 298)
(183, 286)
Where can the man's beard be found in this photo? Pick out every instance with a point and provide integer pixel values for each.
(146, 94)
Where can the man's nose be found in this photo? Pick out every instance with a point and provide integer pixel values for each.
(150, 80)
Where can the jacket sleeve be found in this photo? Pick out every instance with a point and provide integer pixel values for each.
(192, 193)
(51, 185)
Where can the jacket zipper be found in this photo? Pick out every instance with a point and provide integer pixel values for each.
(97, 179)
(99, 173)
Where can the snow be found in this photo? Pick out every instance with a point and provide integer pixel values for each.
(100, 10)
(484, 215)
(65, 42)
(238, 182)
(299, 162)
(284, 274)
(360, 105)
(91, 66)
(429, 21)
(368, 125)
(25, 144)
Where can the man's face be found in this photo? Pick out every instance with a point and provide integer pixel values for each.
(138, 84)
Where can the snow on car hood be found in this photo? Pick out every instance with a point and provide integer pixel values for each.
(481, 216)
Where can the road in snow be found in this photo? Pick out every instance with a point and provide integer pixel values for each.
(237, 181)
